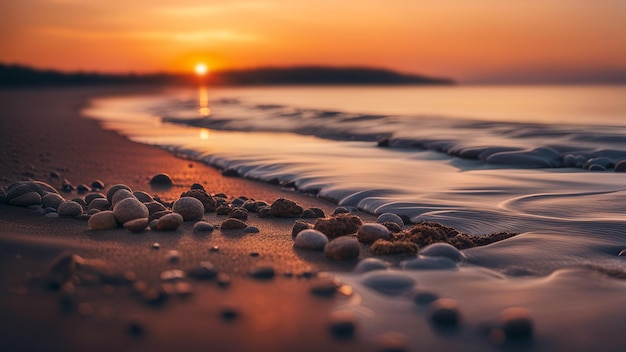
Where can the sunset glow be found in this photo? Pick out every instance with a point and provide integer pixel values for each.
(477, 40)
(201, 69)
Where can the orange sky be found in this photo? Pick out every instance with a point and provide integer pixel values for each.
(469, 40)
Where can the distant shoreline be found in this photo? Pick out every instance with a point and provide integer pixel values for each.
(23, 76)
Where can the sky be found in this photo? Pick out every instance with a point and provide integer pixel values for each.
(475, 41)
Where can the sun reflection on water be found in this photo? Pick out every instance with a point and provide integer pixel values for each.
(204, 134)
(203, 102)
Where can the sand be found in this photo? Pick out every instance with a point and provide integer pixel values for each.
(41, 132)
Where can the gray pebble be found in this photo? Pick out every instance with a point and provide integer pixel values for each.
(343, 248)
(203, 226)
(516, 323)
(91, 196)
(129, 209)
(390, 217)
(445, 312)
(52, 200)
(189, 208)
(100, 204)
(136, 225)
(443, 250)
(264, 272)
(26, 199)
(251, 229)
(370, 264)
(341, 210)
(121, 195)
(69, 209)
(369, 233)
(143, 196)
(52, 215)
(169, 222)
(114, 189)
(233, 224)
(310, 239)
(161, 179)
(103, 220)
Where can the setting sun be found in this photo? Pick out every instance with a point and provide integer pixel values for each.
(201, 69)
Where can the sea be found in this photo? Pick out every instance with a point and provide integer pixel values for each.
(546, 162)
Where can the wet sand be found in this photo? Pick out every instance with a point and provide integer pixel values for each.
(42, 132)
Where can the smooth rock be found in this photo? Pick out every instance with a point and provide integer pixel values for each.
(340, 225)
(390, 217)
(428, 263)
(285, 208)
(343, 249)
(91, 196)
(423, 298)
(311, 239)
(97, 185)
(516, 323)
(136, 225)
(313, 213)
(93, 211)
(342, 324)
(299, 226)
(129, 209)
(203, 226)
(159, 214)
(69, 208)
(233, 224)
(19, 188)
(114, 189)
(169, 222)
(143, 196)
(189, 208)
(26, 199)
(36, 208)
(205, 271)
(82, 188)
(341, 210)
(100, 204)
(161, 179)
(443, 250)
(251, 229)
(52, 200)
(200, 194)
(81, 202)
(120, 195)
(153, 224)
(369, 233)
(103, 220)
(389, 282)
(52, 215)
(264, 272)
(370, 264)
(445, 312)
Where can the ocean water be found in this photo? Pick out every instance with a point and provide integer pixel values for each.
(539, 161)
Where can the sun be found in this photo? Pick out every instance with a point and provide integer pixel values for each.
(201, 69)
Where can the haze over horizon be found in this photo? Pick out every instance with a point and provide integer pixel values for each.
(477, 41)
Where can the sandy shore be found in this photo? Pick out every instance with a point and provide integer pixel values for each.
(42, 134)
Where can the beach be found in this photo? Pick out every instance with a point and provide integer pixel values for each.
(563, 267)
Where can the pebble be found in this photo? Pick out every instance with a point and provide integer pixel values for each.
(100, 204)
(91, 196)
(299, 226)
(229, 312)
(172, 275)
(120, 195)
(19, 188)
(200, 194)
(311, 239)
(445, 312)
(516, 323)
(313, 213)
(285, 208)
(203, 226)
(103, 220)
(428, 263)
(189, 208)
(222, 210)
(343, 248)
(205, 271)
(114, 189)
(50, 210)
(263, 272)
(143, 196)
(342, 324)
(251, 229)
(159, 214)
(238, 213)
(52, 200)
(389, 282)
(136, 225)
(265, 211)
(26, 199)
(67, 186)
(370, 264)
(97, 185)
(214, 249)
(52, 215)
(340, 225)
(423, 298)
(197, 186)
(82, 188)
(341, 210)
(36, 208)
(81, 202)
(369, 233)
(223, 280)
(129, 209)
(233, 224)
(154, 207)
(156, 245)
(443, 250)
(153, 224)
(173, 256)
(169, 222)
(390, 217)
(69, 208)
(161, 179)
(324, 287)
(392, 226)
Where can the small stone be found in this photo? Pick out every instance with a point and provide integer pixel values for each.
(423, 298)
(342, 324)
(114, 189)
(154, 207)
(390, 217)
(143, 196)
(103, 220)
(82, 188)
(36, 208)
(136, 225)
(205, 271)
(341, 210)
(238, 213)
(173, 256)
(443, 250)
(203, 226)
(97, 185)
(233, 224)
(189, 208)
(299, 226)
(343, 248)
(251, 229)
(91, 196)
(370, 264)
(169, 222)
(222, 210)
(254, 254)
(197, 186)
(200, 194)
(229, 312)
(172, 275)
(223, 280)
(214, 249)
(313, 213)
(340, 225)
(153, 224)
(67, 186)
(263, 272)
(24, 200)
(516, 323)
(81, 202)
(445, 312)
(383, 247)
(389, 282)
(100, 204)
(52, 215)
(311, 239)
(369, 233)
(161, 179)
(52, 200)
(159, 214)
(324, 287)
(120, 195)
(69, 209)
(392, 226)
(129, 209)
(285, 208)
(265, 211)
(156, 245)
